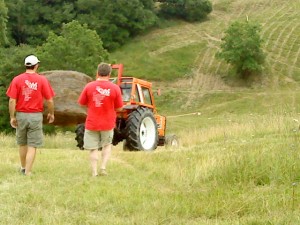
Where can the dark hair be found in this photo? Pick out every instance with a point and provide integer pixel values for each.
(104, 69)
(30, 67)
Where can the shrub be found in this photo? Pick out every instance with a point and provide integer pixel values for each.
(190, 10)
(242, 48)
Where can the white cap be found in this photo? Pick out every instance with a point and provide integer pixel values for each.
(31, 60)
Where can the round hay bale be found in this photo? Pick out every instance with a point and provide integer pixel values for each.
(67, 86)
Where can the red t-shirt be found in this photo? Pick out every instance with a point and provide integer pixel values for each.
(101, 99)
(29, 90)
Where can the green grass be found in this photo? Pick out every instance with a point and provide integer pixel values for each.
(242, 169)
(237, 164)
(238, 160)
(149, 61)
(233, 166)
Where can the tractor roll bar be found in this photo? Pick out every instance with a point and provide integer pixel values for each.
(118, 67)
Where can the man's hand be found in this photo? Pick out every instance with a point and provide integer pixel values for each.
(12, 112)
(50, 118)
(13, 122)
(50, 107)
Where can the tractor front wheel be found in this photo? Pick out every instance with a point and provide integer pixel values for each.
(141, 130)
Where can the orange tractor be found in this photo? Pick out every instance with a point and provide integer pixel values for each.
(138, 125)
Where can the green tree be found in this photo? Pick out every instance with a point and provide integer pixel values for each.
(242, 48)
(196, 10)
(190, 10)
(76, 48)
(30, 21)
(3, 21)
(116, 21)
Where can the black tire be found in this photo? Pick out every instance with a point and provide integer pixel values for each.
(117, 137)
(141, 130)
(126, 147)
(172, 141)
(80, 135)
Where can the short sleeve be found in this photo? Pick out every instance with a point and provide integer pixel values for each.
(12, 90)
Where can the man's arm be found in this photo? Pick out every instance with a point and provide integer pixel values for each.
(50, 107)
(12, 112)
(12, 107)
(119, 109)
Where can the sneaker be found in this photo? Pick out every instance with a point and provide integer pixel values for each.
(103, 172)
(22, 170)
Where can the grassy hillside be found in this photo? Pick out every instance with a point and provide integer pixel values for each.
(187, 49)
(181, 56)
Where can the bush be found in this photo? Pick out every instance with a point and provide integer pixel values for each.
(242, 48)
(190, 10)
(76, 48)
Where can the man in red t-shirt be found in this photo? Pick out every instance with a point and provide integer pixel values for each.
(102, 99)
(27, 92)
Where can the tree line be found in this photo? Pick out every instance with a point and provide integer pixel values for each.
(30, 21)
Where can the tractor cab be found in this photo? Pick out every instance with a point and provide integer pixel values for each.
(137, 96)
(135, 92)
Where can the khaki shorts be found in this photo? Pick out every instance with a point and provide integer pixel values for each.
(30, 129)
(97, 139)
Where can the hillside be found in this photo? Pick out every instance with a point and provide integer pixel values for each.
(187, 50)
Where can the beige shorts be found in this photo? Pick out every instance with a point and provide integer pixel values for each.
(30, 129)
(97, 139)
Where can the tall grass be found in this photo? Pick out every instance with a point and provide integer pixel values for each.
(238, 159)
(244, 171)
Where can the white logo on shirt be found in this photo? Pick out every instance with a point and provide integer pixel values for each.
(102, 91)
(98, 97)
(32, 85)
(26, 91)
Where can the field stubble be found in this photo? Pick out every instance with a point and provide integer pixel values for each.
(239, 170)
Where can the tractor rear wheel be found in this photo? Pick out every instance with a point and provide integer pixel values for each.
(141, 130)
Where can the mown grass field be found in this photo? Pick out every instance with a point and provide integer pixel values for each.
(238, 159)
(233, 166)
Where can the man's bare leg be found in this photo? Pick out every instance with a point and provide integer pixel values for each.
(106, 153)
(94, 161)
(22, 153)
(31, 151)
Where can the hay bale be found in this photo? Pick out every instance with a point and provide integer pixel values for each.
(67, 86)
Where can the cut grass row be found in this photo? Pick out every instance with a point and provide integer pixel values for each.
(185, 49)
(228, 170)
